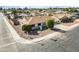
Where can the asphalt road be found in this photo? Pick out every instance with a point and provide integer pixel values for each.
(68, 41)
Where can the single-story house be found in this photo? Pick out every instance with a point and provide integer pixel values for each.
(22, 15)
(37, 21)
(60, 12)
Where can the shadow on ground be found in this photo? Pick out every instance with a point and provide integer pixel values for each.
(58, 30)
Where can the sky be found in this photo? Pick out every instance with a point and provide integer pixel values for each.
(39, 3)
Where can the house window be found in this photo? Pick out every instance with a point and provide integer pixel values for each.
(33, 25)
(39, 24)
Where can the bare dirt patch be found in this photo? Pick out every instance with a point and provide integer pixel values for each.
(30, 35)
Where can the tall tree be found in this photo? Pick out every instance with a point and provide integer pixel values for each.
(25, 8)
(1, 8)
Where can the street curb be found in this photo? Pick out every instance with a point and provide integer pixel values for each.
(15, 35)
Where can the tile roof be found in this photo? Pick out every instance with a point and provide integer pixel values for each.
(38, 19)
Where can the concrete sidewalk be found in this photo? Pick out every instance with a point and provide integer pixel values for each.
(60, 26)
(65, 28)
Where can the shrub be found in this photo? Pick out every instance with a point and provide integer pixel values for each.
(8, 17)
(40, 10)
(28, 12)
(5, 12)
(26, 28)
(50, 23)
(50, 15)
(16, 22)
(14, 12)
(66, 19)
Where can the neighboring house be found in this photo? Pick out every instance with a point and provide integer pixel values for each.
(37, 22)
(60, 12)
(37, 13)
(33, 14)
(22, 15)
(75, 15)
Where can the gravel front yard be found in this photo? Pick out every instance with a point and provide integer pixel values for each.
(33, 34)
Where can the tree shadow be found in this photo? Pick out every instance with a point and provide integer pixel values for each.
(33, 33)
(58, 30)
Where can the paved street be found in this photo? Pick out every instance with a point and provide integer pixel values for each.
(68, 41)
(6, 38)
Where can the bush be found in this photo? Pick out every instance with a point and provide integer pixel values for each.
(40, 10)
(66, 19)
(5, 12)
(26, 28)
(14, 12)
(8, 17)
(16, 22)
(50, 23)
(50, 15)
(28, 12)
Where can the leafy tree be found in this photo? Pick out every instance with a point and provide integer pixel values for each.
(40, 10)
(4, 11)
(24, 12)
(19, 8)
(20, 11)
(50, 14)
(13, 8)
(28, 12)
(50, 8)
(66, 9)
(71, 9)
(25, 8)
(8, 17)
(1, 8)
(26, 28)
(75, 10)
(49, 23)
(14, 12)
